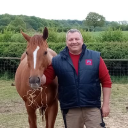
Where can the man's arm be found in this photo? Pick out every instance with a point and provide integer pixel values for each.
(49, 75)
(106, 87)
(106, 98)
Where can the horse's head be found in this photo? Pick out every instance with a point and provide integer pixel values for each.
(37, 57)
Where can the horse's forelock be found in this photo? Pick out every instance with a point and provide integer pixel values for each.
(37, 40)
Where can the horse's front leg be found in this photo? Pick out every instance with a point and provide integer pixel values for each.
(51, 114)
(31, 117)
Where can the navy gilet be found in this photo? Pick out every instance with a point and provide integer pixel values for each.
(82, 90)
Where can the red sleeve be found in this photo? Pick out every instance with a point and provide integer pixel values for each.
(50, 74)
(104, 74)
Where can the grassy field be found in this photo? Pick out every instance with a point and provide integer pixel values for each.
(13, 113)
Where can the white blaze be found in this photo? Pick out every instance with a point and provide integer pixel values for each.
(35, 55)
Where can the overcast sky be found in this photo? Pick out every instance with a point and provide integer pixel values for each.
(112, 10)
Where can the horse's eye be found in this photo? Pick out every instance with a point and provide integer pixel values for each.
(26, 53)
(45, 52)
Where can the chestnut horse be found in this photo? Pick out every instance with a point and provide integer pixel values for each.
(28, 80)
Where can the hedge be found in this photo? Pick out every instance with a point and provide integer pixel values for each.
(113, 50)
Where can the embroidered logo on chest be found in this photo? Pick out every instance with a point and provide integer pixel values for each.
(88, 61)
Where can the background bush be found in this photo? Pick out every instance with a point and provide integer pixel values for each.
(111, 35)
(112, 50)
(111, 44)
(17, 38)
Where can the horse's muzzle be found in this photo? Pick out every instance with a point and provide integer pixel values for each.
(34, 82)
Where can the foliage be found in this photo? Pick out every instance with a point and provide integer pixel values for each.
(94, 19)
(6, 36)
(112, 50)
(119, 79)
(11, 36)
(61, 37)
(26, 23)
(52, 37)
(17, 22)
(6, 75)
(87, 37)
(111, 35)
(17, 38)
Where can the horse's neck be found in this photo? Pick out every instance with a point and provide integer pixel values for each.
(22, 56)
(51, 54)
(24, 60)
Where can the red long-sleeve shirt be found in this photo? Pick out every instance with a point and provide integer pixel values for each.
(103, 71)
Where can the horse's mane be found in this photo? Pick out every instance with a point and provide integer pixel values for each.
(37, 40)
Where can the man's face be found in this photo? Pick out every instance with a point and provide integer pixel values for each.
(74, 43)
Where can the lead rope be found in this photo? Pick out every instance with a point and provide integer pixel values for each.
(30, 96)
(102, 124)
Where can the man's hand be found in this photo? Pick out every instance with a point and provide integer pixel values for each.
(105, 110)
(43, 79)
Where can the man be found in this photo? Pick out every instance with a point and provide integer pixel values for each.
(80, 72)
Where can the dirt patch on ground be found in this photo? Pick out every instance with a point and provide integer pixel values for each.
(116, 119)
(13, 112)
(120, 120)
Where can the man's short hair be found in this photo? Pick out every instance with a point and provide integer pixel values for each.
(72, 31)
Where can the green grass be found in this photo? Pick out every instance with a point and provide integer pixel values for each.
(13, 112)
(8, 92)
(119, 79)
(7, 75)
(12, 109)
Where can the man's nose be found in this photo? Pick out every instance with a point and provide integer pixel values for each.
(73, 41)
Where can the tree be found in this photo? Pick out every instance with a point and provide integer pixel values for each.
(17, 24)
(4, 21)
(94, 20)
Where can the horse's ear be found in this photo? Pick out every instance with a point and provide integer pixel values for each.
(45, 33)
(25, 36)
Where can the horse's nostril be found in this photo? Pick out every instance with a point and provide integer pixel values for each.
(30, 80)
(37, 80)
(34, 80)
